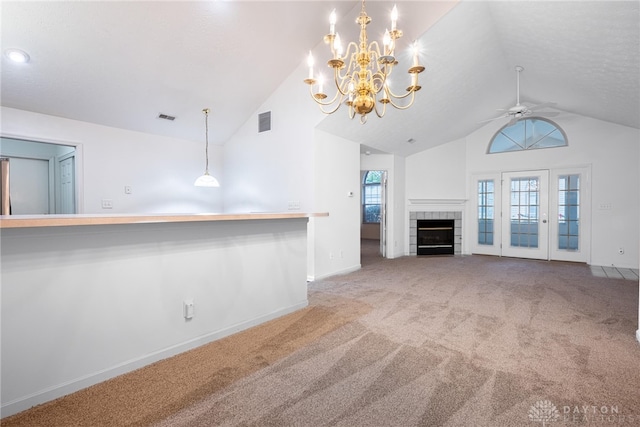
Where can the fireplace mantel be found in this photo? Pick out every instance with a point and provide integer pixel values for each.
(437, 201)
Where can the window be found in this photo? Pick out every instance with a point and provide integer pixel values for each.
(371, 197)
(527, 134)
(568, 212)
(486, 202)
(525, 203)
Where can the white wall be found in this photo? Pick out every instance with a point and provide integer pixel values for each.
(295, 163)
(104, 300)
(160, 170)
(438, 173)
(336, 239)
(435, 181)
(612, 152)
(609, 149)
(265, 171)
(398, 217)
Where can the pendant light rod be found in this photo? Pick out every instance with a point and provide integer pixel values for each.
(206, 112)
(206, 180)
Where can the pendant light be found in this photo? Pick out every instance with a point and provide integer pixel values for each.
(206, 180)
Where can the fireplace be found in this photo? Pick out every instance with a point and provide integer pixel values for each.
(415, 216)
(435, 237)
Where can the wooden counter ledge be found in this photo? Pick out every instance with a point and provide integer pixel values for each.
(30, 221)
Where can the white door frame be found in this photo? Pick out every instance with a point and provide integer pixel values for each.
(60, 159)
(383, 214)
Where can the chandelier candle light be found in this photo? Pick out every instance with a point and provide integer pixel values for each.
(206, 180)
(363, 84)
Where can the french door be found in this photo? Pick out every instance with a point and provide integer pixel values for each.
(525, 214)
(540, 214)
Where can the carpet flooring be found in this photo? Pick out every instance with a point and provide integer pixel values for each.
(414, 341)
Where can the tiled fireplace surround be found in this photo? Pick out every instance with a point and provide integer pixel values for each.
(413, 228)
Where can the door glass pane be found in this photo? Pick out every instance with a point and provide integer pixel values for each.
(485, 212)
(524, 217)
(568, 212)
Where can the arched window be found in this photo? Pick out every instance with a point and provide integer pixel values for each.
(528, 134)
(371, 197)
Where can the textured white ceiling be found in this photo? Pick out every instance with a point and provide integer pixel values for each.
(582, 55)
(122, 63)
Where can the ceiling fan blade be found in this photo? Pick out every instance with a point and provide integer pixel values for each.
(543, 105)
(519, 111)
(495, 118)
(547, 114)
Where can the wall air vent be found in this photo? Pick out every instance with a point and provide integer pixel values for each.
(166, 117)
(264, 121)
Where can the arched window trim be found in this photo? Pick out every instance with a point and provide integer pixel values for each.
(532, 147)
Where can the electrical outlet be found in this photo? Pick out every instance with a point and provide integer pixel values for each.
(127, 189)
(107, 204)
(621, 251)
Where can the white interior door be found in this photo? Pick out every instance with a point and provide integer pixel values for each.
(525, 214)
(29, 186)
(67, 187)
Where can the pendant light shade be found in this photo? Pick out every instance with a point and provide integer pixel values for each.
(206, 180)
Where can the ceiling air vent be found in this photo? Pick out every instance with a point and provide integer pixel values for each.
(264, 121)
(166, 117)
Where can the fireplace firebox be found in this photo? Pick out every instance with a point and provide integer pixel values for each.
(435, 237)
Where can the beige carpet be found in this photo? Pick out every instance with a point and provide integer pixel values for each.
(430, 341)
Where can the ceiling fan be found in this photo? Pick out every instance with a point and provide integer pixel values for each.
(521, 110)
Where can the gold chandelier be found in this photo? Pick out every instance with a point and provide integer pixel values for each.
(363, 85)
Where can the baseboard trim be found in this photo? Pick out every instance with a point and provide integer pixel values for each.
(54, 392)
(335, 273)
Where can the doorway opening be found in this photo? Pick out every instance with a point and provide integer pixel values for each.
(373, 218)
(41, 177)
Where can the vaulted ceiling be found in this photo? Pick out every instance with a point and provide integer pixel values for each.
(122, 63)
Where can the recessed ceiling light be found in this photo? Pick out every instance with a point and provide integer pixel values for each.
(17, 55)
